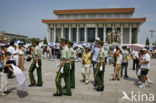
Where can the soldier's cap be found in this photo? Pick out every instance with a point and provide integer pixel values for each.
(87, 47)
(64, 39)
(101, 42)
(70, 41)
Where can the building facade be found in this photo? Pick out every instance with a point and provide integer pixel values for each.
(84, 25)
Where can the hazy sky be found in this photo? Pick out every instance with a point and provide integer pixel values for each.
(25, 16)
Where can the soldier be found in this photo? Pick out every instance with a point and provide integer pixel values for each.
(72, 63)
(64, 71)
(36, 64)
(99, 74)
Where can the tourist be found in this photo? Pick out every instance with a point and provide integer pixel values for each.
(86, 60)
(125, 57)
(21, 57)
(145, 67)
(135, 56)
(118, 63)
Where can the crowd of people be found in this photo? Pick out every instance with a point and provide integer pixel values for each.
(92, 57)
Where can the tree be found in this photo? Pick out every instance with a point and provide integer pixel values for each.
(45, 41)
(147, 42)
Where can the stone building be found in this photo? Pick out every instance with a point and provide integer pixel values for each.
(84, 25)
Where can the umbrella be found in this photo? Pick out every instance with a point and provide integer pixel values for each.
(114, 45)
(137, 47)
(52, 44)
(18, 42)
(1, 44)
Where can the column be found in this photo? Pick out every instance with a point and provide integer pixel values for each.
(121, 34)
(77, 34)
(48, 35)
(96, 31)
(130, 34)
(138, 34)
(69, 37)
(104, 33)
(85, 34)
(54, 35)
(62, 31)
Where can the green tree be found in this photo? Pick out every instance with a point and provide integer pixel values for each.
(45, 41)
(147, 41)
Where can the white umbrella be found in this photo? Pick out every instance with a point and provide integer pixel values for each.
(136, 47)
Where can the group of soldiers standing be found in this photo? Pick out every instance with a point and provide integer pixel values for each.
(67, 67)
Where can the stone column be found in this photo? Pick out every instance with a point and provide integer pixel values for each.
(104, 33)
(121, 34)
(85, 34)
(130, 34)
(48, 35)
(54, 35)
(69, 37)
(138, 34)
(62, 31)
(96, 31)
(77, 34)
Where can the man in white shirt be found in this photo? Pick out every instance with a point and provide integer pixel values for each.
(135, 56)
(145, 66)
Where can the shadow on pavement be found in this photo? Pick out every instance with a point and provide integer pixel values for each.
(22, 94)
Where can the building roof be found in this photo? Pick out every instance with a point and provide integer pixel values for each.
(95, 20)
(93, 11)
(17, 35)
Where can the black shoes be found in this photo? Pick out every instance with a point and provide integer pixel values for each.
(38, 85)
(100, 89)
(57, 94)
(32, 85)
(67, 94)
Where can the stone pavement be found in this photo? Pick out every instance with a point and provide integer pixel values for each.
(83, 93)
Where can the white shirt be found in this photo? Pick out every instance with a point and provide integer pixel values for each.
(20, 51)
(146, 57)
(119, 59)
(11, 50)
(136, 54)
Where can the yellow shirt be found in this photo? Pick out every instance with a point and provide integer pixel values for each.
(87, 57)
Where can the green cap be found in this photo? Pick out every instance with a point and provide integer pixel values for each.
(70, 41)
(101, 42)
(63, 39)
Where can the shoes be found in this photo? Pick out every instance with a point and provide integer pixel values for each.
(64, 87)
(67, 94)
(126, 77)
(142, 86)
(57, 94)
(118, 79)
(139, 82)
(38, 85)
(100, 89)
(112, 79)
(6, 92)
(31, 85)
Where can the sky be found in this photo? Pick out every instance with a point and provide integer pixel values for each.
(25, 16)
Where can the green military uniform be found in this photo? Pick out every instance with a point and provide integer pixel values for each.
(72, 69)
(65, 74)
(99, 75)
(38, 52)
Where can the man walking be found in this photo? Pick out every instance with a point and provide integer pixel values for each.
(99, 73)
(72, 63)
(64, 71)
(37, 63)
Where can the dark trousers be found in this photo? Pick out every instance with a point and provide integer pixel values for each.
(94, 70)
(124, 66)
(7, 69)
(135, 64)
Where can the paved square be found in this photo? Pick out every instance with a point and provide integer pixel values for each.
(83, 93)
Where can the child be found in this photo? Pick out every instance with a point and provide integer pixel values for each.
(3, 75)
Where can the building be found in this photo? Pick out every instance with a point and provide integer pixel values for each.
(6, 37)
(84, 25)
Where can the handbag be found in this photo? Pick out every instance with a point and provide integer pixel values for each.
(128, 58)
